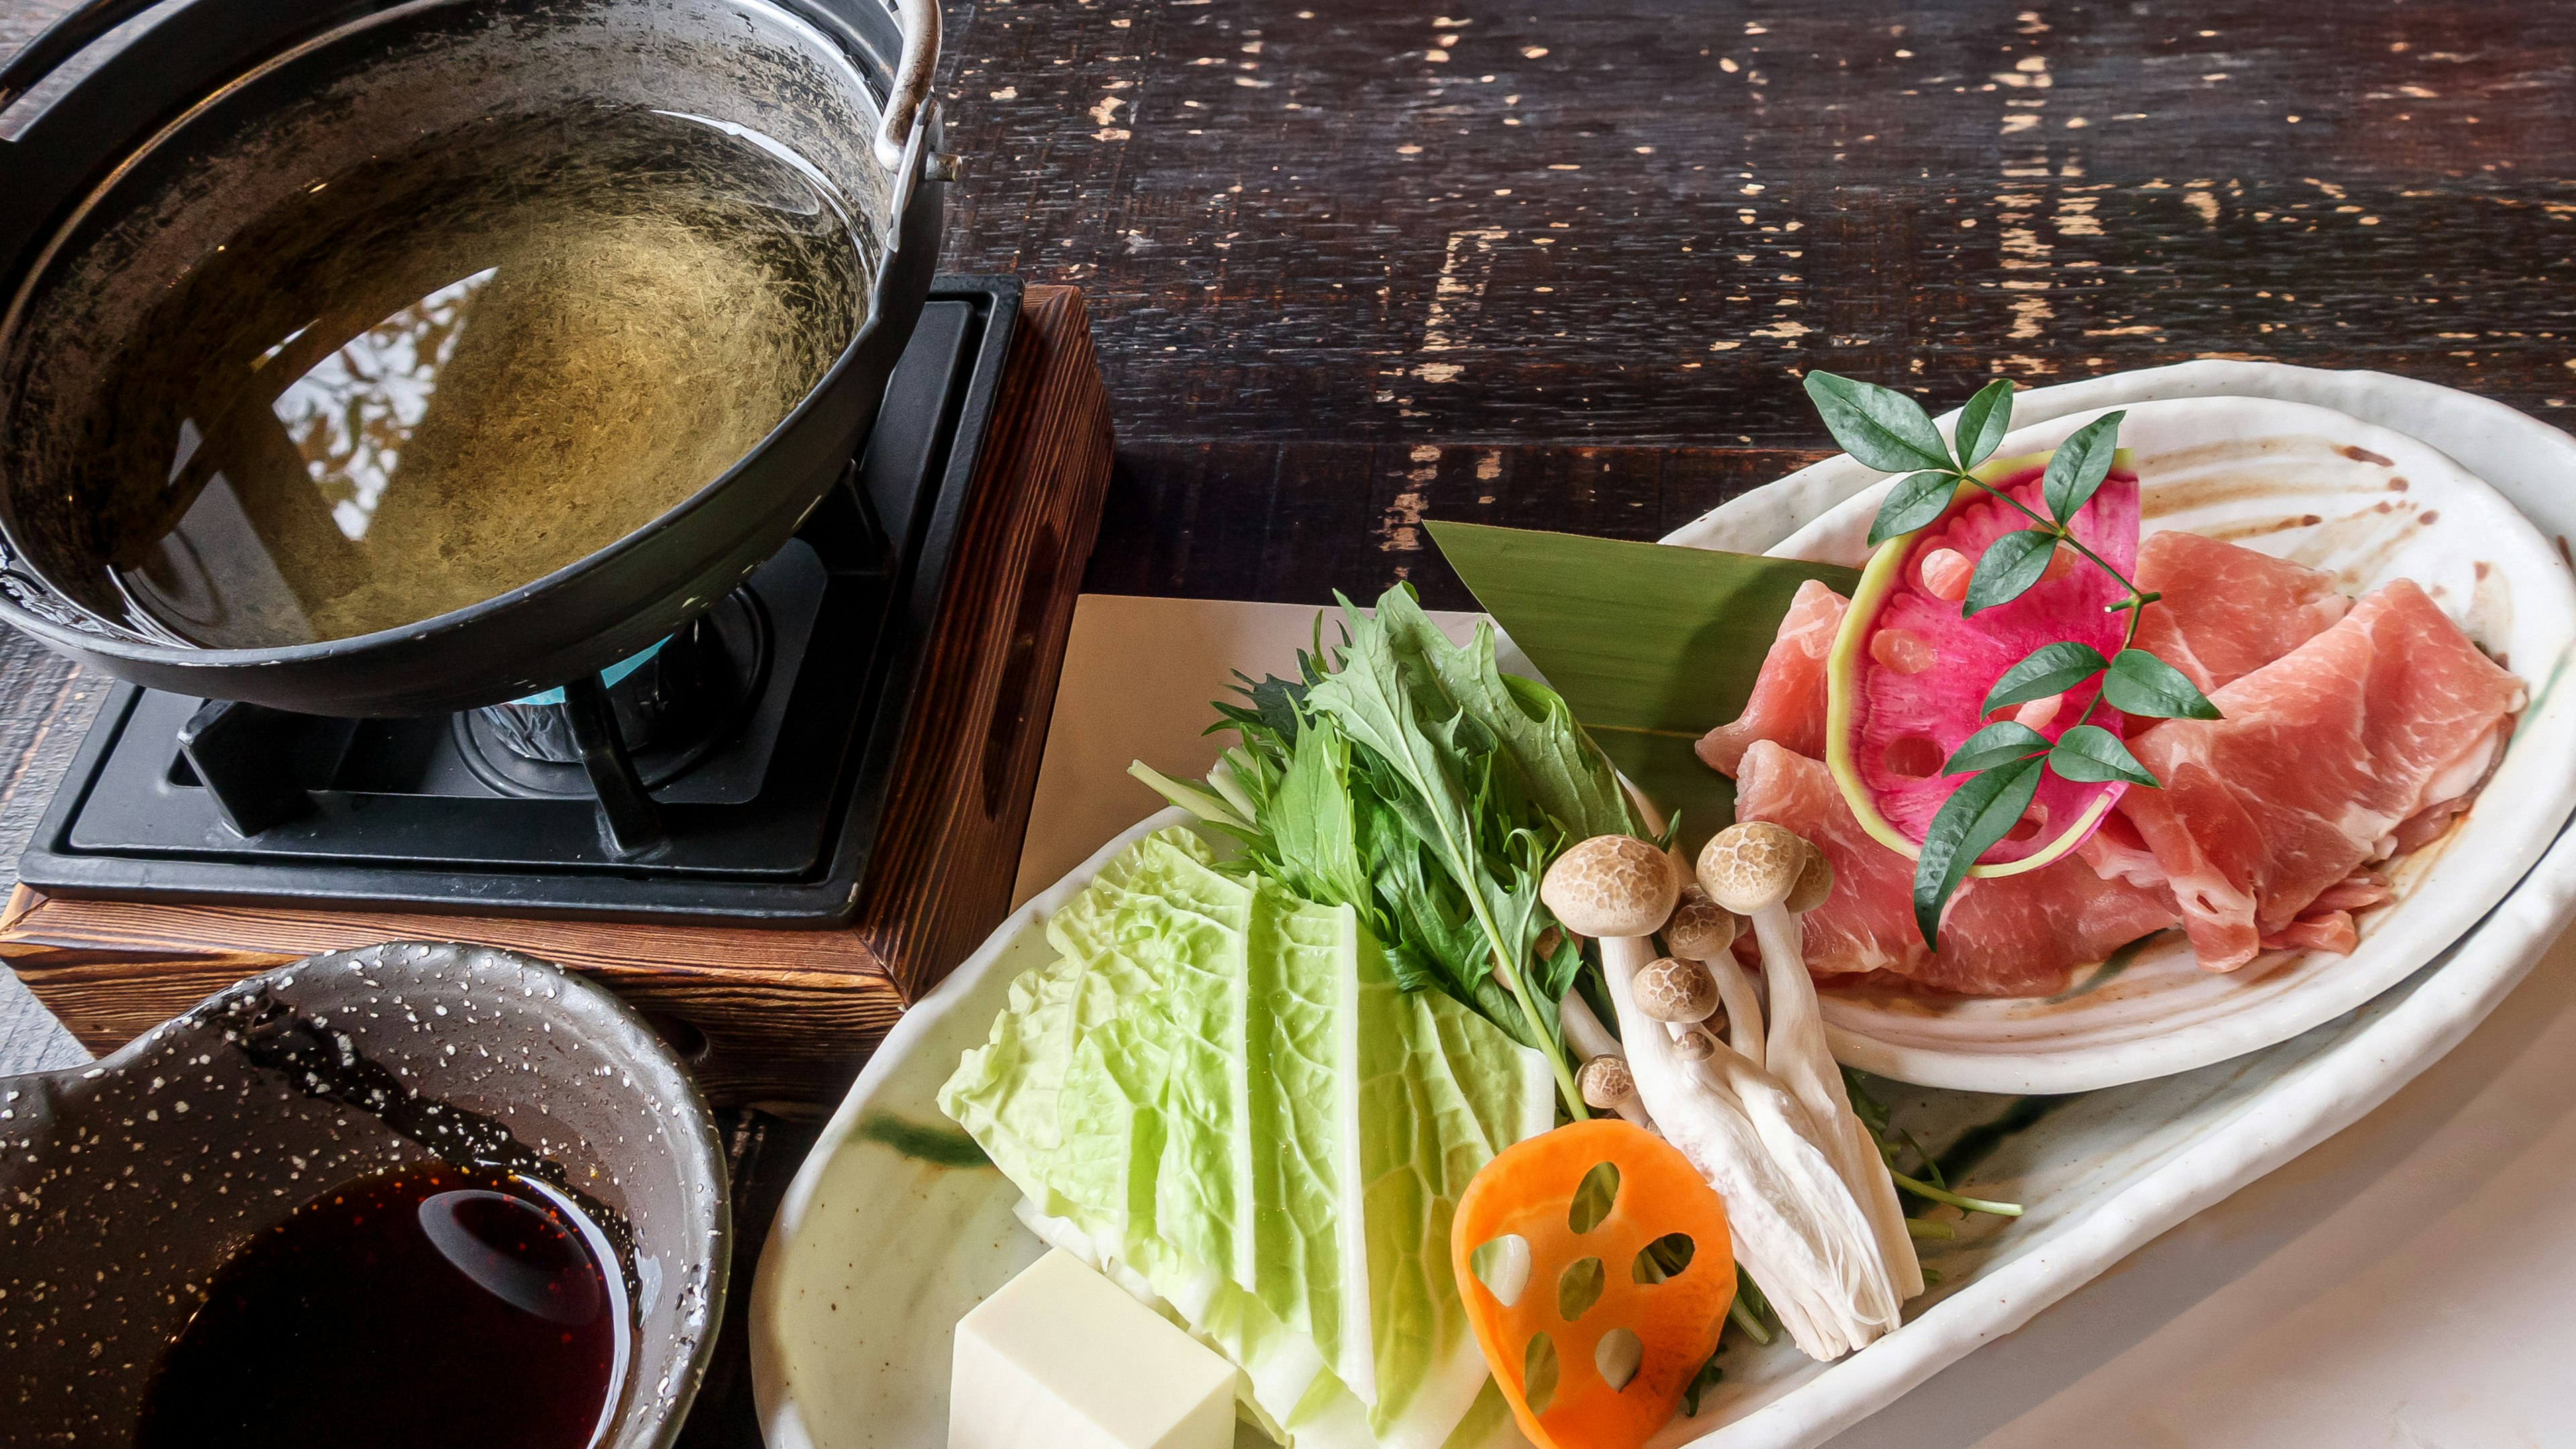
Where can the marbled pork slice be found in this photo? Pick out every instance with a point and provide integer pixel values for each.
(2227, 610)
(1788, 702)
(2015, 935)
(2322, 757)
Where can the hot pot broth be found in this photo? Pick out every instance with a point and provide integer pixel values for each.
(457, 368)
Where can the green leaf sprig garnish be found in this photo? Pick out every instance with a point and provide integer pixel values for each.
(2004, 762)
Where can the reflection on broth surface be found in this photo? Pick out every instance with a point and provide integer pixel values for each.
(460, 368)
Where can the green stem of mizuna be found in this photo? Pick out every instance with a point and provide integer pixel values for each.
(1742, 1317)
(1516, 981)
(1964, 1204)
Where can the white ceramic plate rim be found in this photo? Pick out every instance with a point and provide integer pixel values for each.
(2270, 1131)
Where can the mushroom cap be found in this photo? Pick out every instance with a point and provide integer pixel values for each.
(1752, 865)
(1605, 1082)
(1814, 884)
(1701, 929)
(1611, 885)
(1694, 1045)
(1676, 991)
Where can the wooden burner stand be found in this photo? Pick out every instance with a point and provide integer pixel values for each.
(761, 1016)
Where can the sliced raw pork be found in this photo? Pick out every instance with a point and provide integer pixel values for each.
(2228, 611)
(2015, 935)
(2351, 747)
(1788, 703)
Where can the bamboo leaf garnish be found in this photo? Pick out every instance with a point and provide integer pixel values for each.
(2005, 761)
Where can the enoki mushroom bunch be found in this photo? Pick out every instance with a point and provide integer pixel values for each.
(1759, 1110)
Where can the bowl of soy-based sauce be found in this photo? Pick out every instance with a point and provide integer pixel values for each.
(412, 1195)
(482, 1277)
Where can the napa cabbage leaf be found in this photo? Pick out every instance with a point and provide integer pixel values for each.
(1219, 1094)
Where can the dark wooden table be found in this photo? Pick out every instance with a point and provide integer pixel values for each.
(1562, 266)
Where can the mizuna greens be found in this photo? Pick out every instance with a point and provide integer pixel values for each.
(1410, 779)
(1254, 1090)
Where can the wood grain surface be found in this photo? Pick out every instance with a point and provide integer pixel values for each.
(1570, 246)
(1563, 265)
(949, 842)
(760, 1016)
(46, 704)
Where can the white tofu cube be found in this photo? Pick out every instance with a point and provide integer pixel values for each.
(1062, 1358)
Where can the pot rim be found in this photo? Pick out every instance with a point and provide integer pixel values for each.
(117, 641)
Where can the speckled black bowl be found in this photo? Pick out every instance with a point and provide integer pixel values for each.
(125, 1185)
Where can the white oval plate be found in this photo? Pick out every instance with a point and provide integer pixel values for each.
(884, 1241)
(2384, 506)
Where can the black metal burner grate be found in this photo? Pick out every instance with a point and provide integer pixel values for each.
(763, 744)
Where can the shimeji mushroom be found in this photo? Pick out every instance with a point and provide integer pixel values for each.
(1609, 1086)
(1677, 992)
(1683, 996)
(1585, 1033)
(1797, 1229)
(1702, 930)
(1610, 887)
(1773, 876)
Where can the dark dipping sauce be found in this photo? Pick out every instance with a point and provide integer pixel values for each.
(430, 1307)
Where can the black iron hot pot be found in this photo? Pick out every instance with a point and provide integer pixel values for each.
(219, 106)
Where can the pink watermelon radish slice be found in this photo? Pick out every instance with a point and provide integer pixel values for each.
(1907, 672)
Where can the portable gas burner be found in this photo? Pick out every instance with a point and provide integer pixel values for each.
(735, 772)
(845, 744)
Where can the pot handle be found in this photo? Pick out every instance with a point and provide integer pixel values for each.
(72, 34)
(912, 77)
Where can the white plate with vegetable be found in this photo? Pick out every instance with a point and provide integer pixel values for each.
(2361, 506)
(899, 1224)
